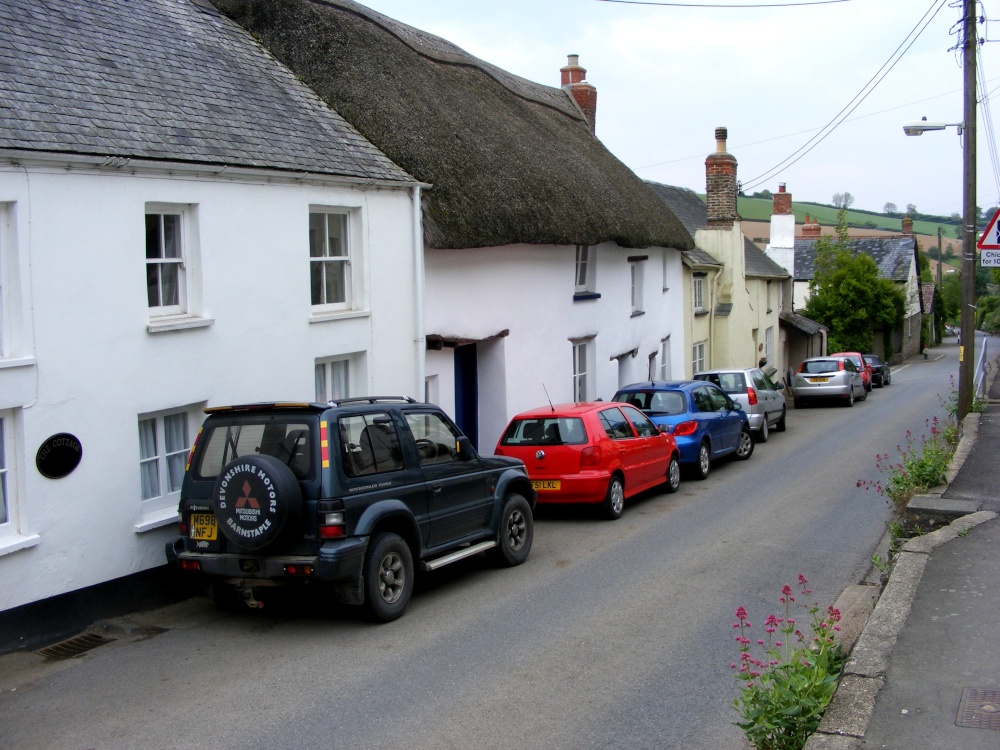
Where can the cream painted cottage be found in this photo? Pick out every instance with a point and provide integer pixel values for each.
(183, 224)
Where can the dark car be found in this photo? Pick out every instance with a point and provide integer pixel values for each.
(881, 374)
(592, 453)
(352, 493)
(706, 423)
(861, 363)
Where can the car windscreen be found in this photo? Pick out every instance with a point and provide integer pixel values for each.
(655, 402)
(545, 431)
(284, 437)
(820, 365)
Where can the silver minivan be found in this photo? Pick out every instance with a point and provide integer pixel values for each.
(760, 397)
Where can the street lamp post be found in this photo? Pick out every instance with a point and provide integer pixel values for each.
(967, 129)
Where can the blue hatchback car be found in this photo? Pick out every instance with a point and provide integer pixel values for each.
(706, 423)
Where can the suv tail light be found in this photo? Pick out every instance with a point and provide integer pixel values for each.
(591, 456)
(686, 428)
(331, 519)
(752, 395)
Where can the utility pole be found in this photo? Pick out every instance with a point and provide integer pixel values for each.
(967, 349)
(940, 258)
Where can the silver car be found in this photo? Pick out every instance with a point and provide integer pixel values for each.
(828, 378)
(756, 393)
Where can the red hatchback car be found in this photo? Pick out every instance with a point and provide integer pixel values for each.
(863, 365)
(592, 453)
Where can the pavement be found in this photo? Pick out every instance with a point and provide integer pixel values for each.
(924, 669)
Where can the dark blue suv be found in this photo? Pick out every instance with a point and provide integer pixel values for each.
(350, 494)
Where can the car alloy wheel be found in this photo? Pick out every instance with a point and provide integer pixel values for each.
(744, 448)
(515, 533)
(704, 464)
(614, 502)
(674, 474)
(388, 577)
(762, 433)
(780, 425)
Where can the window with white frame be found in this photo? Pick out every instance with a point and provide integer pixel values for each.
(698, 357)
(166, 282)
(635, 272)
(698, 294)
(585, 272)
(666, 269)
(665, 359)
(581, 369)
(769, 303)
(769, 344)
(6, 478)
(330, 276)
(333, 379)
(164, 444)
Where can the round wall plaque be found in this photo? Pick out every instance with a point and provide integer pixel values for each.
(58, 455)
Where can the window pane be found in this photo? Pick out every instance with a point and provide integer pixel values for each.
(175, 432)
(317, 233)
(153, 244)
(320, 376)
(171, 236)
(169, 290)
(336, 246)
(153, 284)
(339, 379)
(147, 438)
(335, 286)
(316, 282)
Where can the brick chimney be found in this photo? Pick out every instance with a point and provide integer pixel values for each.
(907, 225)
(574, 81)
(782, 201)
(810, 228)
(720, 184)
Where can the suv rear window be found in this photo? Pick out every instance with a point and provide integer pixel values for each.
(546, 431)
(286, 438)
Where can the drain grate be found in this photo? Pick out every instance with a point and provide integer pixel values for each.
(75, 646)
(979, 709)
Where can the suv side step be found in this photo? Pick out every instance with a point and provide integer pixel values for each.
(461, 554)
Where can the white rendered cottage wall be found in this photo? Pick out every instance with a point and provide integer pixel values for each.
(96, 367)
(528, 290)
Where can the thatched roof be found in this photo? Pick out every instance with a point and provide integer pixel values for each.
(509, 161)
(164, 80)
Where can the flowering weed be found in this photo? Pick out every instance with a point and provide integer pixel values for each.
(788, 680)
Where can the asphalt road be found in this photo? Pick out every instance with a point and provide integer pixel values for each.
(612, 635)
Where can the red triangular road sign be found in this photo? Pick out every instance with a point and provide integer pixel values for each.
(991, 237)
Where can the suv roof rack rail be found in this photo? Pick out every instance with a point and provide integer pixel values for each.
(372, 400)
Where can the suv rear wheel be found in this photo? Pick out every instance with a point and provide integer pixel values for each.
(515, 532)
(388, 577)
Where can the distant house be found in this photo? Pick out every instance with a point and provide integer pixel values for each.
(735, 293)
(552, 271)
(928, 292)
(183, 224)
(895, 256)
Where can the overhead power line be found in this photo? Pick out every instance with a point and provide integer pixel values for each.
(720, 5)
(858, 98)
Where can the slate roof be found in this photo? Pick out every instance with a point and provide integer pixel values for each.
(509, 161)
(927, 295)
(693, 213)
(163, 80)
(808, 326)
(894, 255)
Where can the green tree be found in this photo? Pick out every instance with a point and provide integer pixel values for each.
(848, 296)
(951, 295)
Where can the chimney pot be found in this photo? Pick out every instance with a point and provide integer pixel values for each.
(585, 95)
(782, 201)
(781, 187)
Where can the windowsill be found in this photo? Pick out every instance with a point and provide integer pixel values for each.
(666, 289)
(18, 542)
(637, 313)
(17, 362)
(701, 312)
(157, 519)
(177, 323)
(769, 311)
(583, 296)
(323, 317)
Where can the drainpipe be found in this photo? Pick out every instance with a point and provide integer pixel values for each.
(419, 340)
(711, 320)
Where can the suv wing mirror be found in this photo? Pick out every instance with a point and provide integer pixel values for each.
(463, 447)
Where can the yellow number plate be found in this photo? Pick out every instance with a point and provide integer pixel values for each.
(552, 484)
(204, 527)
(818, 380)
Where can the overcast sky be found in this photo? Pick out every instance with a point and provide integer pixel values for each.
(666, 77)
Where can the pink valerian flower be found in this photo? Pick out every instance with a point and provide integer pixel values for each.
(741, 613)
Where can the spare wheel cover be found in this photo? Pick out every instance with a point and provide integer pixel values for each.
(254, 498)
